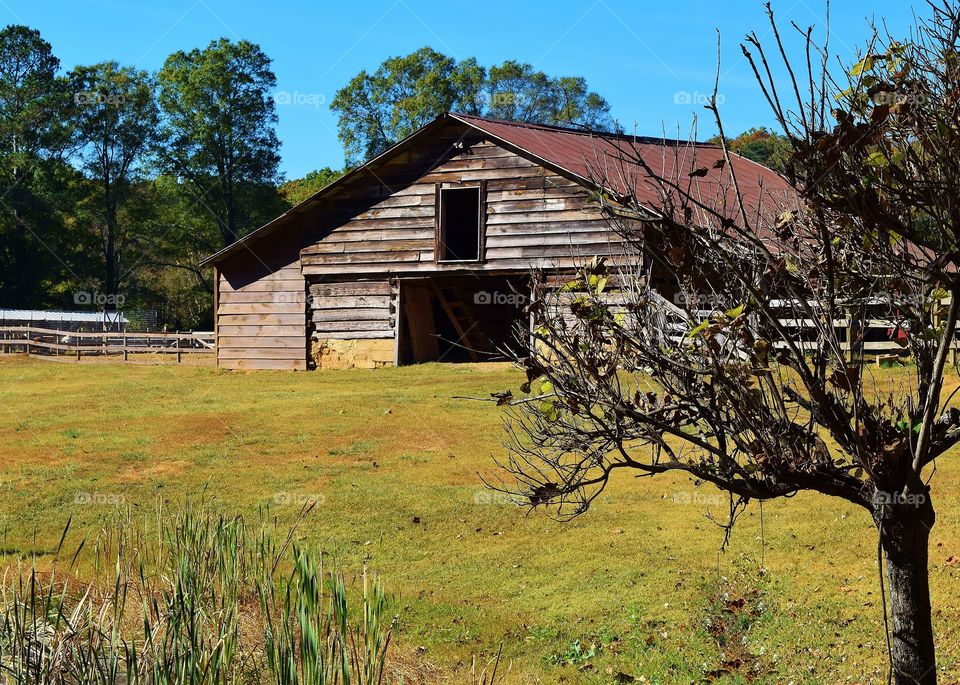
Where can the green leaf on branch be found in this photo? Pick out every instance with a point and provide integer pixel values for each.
(864, 65)
(735, 312)
(699, 329)
(549, 411)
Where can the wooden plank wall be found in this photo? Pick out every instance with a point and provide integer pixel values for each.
(352, 310)
(261, 314)
(534, 218)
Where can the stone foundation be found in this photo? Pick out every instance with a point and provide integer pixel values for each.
(351, 354)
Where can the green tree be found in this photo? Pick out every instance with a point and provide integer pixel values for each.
(404, 93)
(219, 133)
(761, 145)
(518, 93)
(171, 280)
(33, 140)
(376, 110)
(115, 121)
(296, 191)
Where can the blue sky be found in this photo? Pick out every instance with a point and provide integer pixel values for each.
(647, 58)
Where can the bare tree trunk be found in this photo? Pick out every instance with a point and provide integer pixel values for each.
(110, 277)
(904, 536)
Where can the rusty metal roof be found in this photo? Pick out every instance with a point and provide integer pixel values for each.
(611, 162)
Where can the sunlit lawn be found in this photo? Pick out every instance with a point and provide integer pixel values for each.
(395, 461)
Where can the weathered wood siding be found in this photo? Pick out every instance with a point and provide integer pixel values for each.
(328, 272)
(352, 310)
(534, 219)
(261, 313)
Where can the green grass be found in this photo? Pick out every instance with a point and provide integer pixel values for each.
(635, 587)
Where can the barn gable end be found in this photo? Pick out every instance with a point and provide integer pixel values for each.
(533, 218)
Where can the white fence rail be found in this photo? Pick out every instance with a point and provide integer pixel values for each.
(876, 336)
(52, 342)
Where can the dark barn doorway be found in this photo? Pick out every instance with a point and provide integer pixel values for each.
(459, 318)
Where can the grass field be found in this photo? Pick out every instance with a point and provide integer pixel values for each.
(635, 588)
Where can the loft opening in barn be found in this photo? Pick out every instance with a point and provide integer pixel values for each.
(425, 252)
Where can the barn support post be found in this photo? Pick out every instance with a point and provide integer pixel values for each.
(216, 315)
(307, 325)
(397, 293)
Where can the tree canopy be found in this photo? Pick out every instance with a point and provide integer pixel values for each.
(516, 92)
(218, 129)
(115, 124)
(376, 110)
(760, 145)
(296, 191)
(33, 136)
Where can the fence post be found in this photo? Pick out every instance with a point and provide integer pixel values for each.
(953, 345)
(178, 347)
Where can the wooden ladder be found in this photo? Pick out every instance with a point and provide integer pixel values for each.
(464, 323)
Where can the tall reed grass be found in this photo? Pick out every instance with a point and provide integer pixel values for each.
(193, 598)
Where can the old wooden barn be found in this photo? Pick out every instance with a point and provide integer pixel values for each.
(424, 253)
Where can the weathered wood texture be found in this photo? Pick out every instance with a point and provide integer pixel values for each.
(534, 219)
(381, 225)
(352, 310)
(261, 309)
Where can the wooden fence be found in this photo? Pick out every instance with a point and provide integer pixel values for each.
(51, 342)
(877, 337)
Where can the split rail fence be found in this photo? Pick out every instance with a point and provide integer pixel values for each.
(876, 337)
(58, 343)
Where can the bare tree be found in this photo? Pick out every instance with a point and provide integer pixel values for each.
(727, 345)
